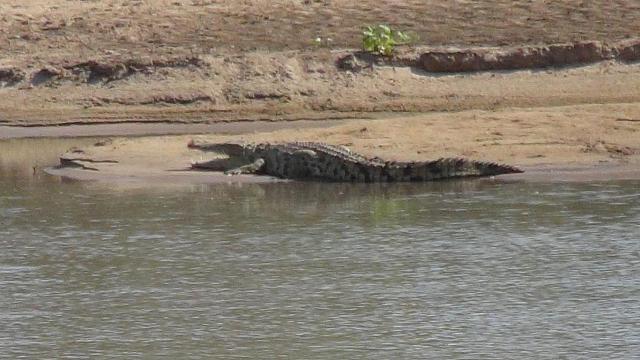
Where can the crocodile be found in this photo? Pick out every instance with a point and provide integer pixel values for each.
(320, 161)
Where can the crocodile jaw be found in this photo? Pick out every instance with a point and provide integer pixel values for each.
(229, 148)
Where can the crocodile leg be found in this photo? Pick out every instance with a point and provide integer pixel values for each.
(247, 169)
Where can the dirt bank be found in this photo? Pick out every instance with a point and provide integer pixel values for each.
(187, 61)
(529, 57)
(288, 86)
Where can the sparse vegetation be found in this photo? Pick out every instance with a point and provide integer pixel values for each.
(382, 39)
(320, 41)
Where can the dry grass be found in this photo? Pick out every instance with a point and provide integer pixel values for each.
(50, 28)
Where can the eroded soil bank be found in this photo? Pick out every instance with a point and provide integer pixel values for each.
(187, 61)
(321, 84)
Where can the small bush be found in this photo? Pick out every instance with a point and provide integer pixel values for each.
(382, 39)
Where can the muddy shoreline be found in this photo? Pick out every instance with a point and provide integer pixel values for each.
(548, 174)
(576, 143)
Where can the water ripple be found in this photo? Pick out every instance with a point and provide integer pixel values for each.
(441, 271)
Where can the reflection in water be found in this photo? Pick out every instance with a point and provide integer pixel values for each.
(23, 159)
(446, 270)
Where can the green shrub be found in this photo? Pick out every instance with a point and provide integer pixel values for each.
(382, 39)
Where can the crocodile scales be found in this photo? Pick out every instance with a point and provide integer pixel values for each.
(319, 161)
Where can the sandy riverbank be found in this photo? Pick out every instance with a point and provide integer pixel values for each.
(233, 69)
(572, 143)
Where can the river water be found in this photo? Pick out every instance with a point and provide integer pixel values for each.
(446, 270)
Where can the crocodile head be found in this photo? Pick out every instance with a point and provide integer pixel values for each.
(232, 148)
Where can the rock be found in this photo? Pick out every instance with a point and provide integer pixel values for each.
(10, 76)
(47, 74)
(350, 63)
(629, 50)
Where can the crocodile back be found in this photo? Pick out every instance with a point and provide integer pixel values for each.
(311, 160)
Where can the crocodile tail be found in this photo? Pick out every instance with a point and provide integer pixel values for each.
(446, 168)
(491, 168)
